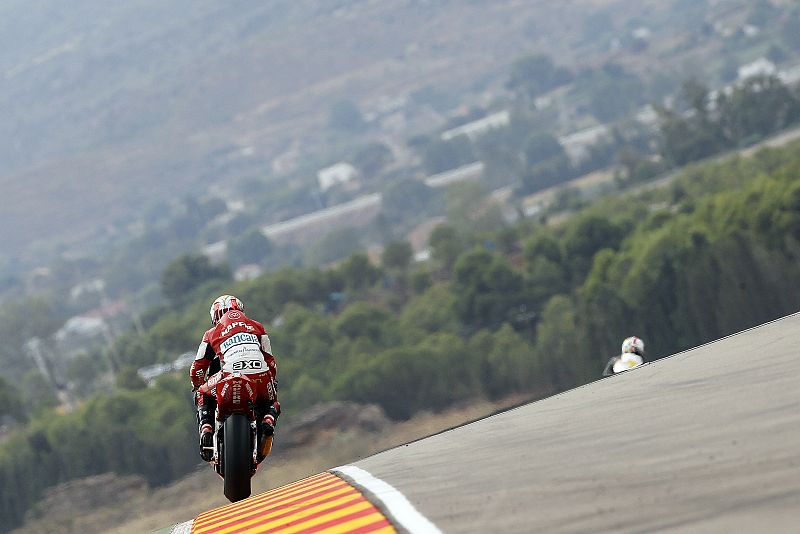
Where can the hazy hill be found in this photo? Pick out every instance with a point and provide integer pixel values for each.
(108, 107)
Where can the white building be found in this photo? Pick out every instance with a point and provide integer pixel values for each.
(479, 127)
(760, 67)
(338, 173)
(471, 171)
(577, 144)
(81, 326)
(250, 271)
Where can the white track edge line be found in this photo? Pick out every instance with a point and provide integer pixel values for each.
(395, 503)
(182, 528)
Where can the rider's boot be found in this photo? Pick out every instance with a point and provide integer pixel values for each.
(205, 425)
(267, 431)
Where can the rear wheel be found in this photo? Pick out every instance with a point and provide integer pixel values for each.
(237, 455)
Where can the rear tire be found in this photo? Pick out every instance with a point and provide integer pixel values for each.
(237, 457)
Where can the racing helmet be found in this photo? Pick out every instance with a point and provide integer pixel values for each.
(633, 344)
(223, 305)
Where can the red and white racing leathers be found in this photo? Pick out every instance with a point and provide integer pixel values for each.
(243, 345)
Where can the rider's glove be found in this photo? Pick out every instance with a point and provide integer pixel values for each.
(198, 376)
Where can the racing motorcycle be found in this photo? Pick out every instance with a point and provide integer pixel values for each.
(621, 363)
(237, 436)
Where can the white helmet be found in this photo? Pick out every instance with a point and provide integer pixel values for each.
(633, 344)
(223, 305)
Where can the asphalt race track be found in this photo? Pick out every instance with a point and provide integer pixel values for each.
(707, 440)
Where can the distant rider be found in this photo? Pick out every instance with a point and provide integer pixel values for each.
(251, 349)
(632, 355)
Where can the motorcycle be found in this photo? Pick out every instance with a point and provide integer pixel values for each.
(236, 456)
(623, 362)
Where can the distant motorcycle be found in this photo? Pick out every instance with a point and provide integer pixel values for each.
(236, 436)
(621, 363)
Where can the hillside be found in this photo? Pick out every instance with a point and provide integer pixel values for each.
(115, 108)
(685, 233)
(488, 316)
(146, 509)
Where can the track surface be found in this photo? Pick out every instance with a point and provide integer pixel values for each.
(705, 441)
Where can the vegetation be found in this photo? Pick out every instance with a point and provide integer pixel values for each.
(533, 309)
(536, 74)
(188, 272)
(748, 113)
(498, 309)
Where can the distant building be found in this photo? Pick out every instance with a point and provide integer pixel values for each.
(642, 33)
(422, 255)
(760, 67)
(95, 286)
(288, 160)
(310, 227)
(471, 171)
(250, 271)
(479, 127)
(750, 31)
(577, 144)
(151, 372)
(790, 76)
(648, 116)
(81, 326)
(216, 252)
(338, 173)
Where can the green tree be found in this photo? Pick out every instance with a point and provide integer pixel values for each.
(251, 247)
(11, 401)
(547, 272)
(407, 199)
(758, 107)
(547, 173)
(188, 272)
(683, 141)
(397, 255)
(440, 155)
(85, 370)
(362, 319)
(585, 237)
(535, 74)
(488, 291)
(470, 208)
(776, 54)
(420, 281)
(372, 158)
(335, 245)
(344, 115)
(557, 346)
(614, 93)
(358, 272)
(510, 364)
(405, 380)
(541, 147)
(431, 312)
(445, 245)
(240, 223)
(128, 378)
(304, 392)
(38, 394)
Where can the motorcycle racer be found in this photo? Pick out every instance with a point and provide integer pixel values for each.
(235, 343)
(632, 355)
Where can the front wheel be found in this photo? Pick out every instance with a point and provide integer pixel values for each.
(237, 457)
